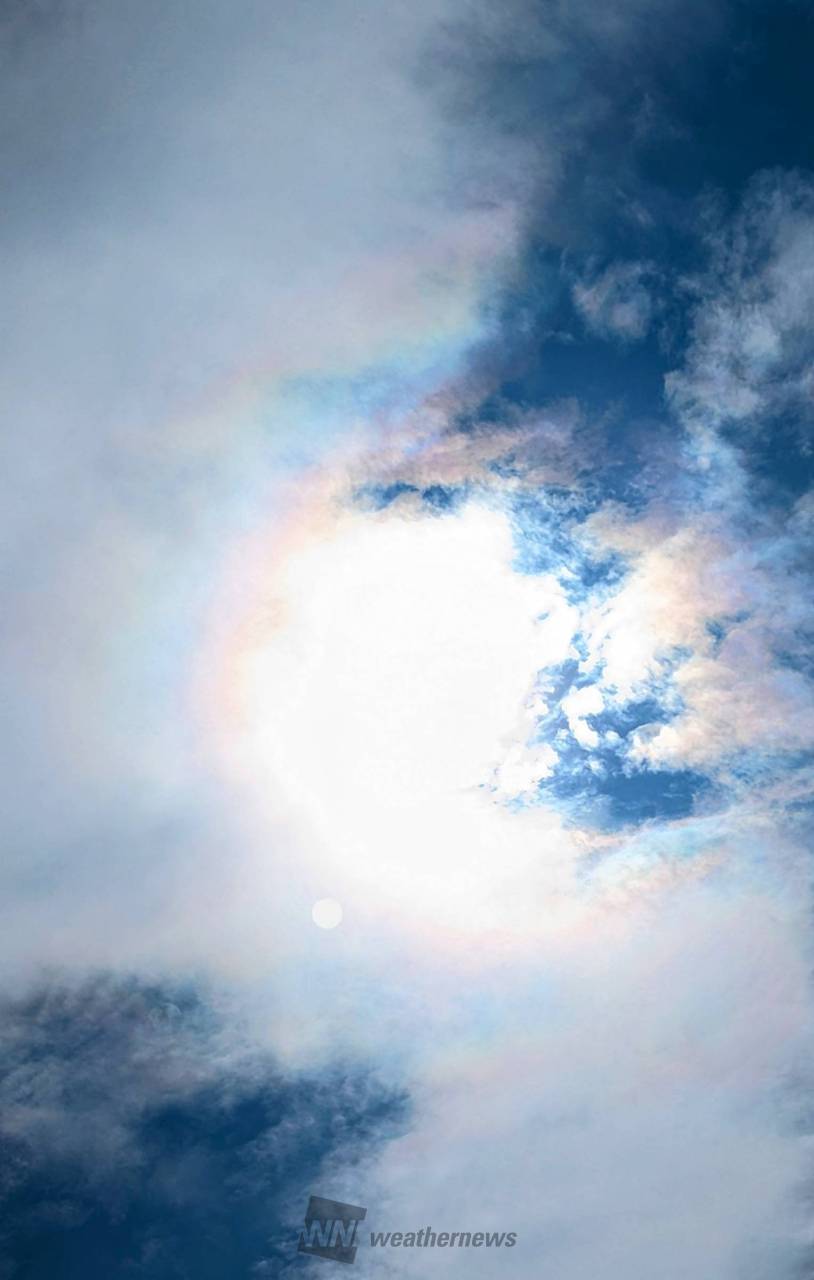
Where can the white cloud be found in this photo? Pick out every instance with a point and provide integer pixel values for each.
(523, 768)
(651, 636)
(583, 702)
(624, 1110)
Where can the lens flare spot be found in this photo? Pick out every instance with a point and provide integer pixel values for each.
(327, 913)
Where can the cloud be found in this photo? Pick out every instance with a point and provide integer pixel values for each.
(750, 355)
(576, 706)
(314, 595)
(140, 1135)
(618, 302)
(626, 1103)
(229, 239)
(700, 623)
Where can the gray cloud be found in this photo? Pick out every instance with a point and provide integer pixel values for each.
(143, 1135)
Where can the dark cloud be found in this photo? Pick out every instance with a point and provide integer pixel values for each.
(140, 1137)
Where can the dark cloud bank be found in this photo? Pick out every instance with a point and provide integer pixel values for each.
(137, 1140)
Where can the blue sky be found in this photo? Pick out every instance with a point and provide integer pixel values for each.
(408, 495)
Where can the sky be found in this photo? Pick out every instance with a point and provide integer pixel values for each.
(407, 502)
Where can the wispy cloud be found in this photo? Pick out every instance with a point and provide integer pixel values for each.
(750, 352)
(617, 302)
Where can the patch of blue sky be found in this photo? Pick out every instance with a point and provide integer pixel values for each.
(553, 346)
(437, 498)
(624, 718)
(545, 525)
(599, 788)
(557, 360)
(746, 106)
(800, 658)
(779, 458)
(719, 628)
(376, 497)
(552, 684)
